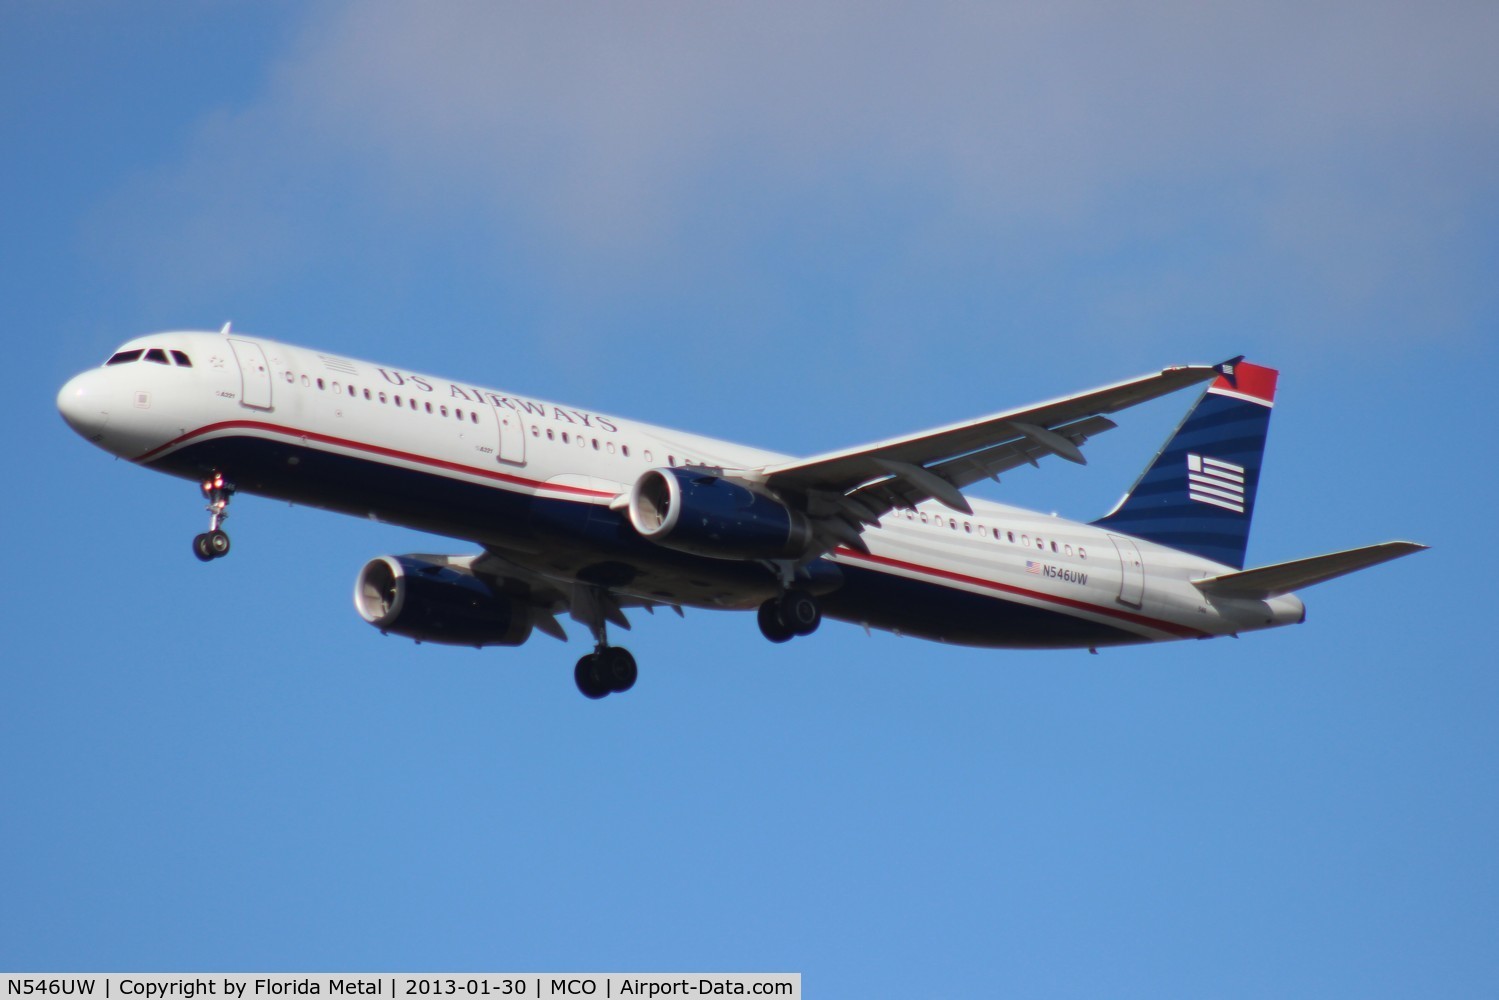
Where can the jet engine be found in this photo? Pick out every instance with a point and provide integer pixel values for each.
(710, 515)
(435, 601)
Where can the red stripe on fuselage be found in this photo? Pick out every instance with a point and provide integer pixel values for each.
(374, 449)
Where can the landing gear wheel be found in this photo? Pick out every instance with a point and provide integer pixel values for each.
(798, 612)
(771, 625)
(587, 676)
(617, 668)
(201, 549)
(214, 543)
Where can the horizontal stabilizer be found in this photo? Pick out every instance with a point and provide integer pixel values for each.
(1282, 578)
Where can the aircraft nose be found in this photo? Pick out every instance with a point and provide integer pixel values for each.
(83, 403)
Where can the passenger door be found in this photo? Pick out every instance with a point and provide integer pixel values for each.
(255, 374)
(1131, 571)
(512, 434)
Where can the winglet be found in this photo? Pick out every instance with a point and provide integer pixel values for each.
(1226, 369)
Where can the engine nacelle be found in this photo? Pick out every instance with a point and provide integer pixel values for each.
(438, 602)
(710, 515)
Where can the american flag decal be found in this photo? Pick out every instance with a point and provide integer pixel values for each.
(1032, 567)
(1218, 483)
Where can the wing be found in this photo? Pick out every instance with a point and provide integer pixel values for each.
(590, 605)
(846, 491)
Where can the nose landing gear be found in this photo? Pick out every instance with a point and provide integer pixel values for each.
(214, 543)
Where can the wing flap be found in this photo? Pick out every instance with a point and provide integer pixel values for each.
(1283, 578)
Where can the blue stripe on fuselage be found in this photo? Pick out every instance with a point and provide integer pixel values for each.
(598, 545)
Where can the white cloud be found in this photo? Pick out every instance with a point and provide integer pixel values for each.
(1349, 138)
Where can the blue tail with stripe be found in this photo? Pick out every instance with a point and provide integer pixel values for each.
(1198, 493)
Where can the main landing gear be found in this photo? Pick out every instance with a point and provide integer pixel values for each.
(214, 543)
(610, 670)
(794, 613)
(607, 670)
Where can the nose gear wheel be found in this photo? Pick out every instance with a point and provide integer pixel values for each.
(214, 543)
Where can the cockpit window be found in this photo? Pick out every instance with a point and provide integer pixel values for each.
(125, 357)
(181, 359)
(157, 355)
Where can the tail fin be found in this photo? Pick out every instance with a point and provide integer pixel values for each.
(1198, 494)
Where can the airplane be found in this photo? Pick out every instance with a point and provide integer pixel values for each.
(590, 515)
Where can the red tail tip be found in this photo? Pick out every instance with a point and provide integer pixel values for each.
(1248, 380)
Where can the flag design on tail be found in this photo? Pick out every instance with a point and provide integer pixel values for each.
(1198, 493)
(1218, 483)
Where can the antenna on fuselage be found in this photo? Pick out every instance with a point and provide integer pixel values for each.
(225, 331)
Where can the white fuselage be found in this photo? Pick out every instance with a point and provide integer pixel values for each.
(538, 482)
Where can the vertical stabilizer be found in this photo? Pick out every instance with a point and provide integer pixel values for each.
(1198, 494)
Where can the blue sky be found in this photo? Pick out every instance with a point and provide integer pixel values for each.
(801, 227)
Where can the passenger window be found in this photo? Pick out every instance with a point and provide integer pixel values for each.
(983, 531)
(182, 359)
(473, 418)
(125, 357)
(429, 407)
(382, 397)
(1025, 540)
(157, 356)
(336, 390)
(624, 450)
(443, 410)
(320, 384)
(551, 435)
(397, 400)
(595, 444)
(1010, 535)
(366, 394)
(1081, 553)
(535, 431)
(967, 528)
(1053, 546)
(648, 456)
(611, 447)
(306, 382)
(1068, 549)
